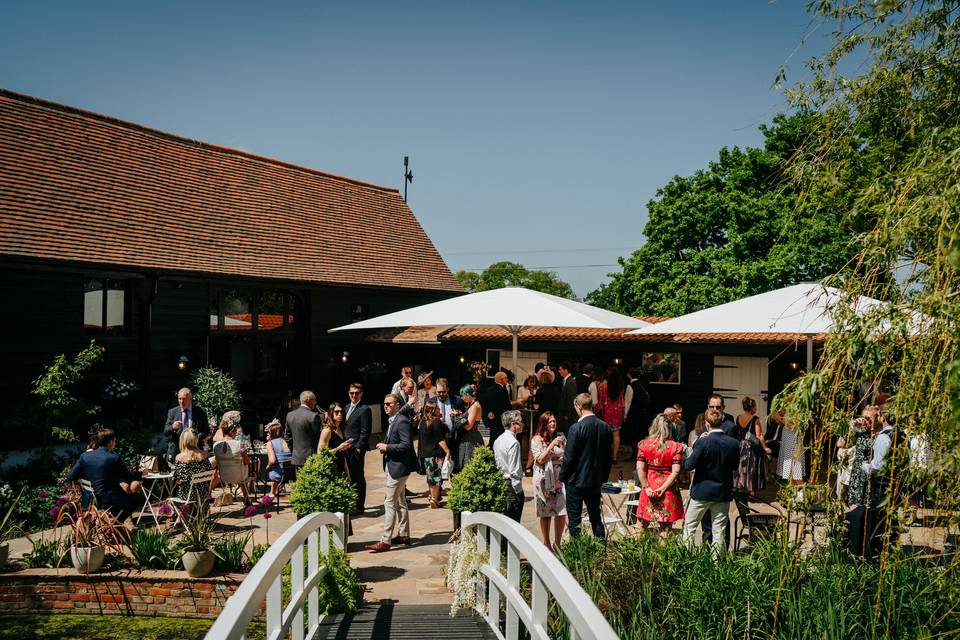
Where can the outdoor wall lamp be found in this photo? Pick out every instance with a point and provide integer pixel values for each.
(345, 357)
(617, 361)
(182, 363)
(794, 365)
(462, 359)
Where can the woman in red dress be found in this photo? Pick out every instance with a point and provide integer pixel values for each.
(658, 464)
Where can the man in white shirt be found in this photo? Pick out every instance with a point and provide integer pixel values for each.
(406, 371)
(506, 451)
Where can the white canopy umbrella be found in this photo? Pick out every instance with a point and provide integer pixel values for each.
(801, 309)
(512, 308)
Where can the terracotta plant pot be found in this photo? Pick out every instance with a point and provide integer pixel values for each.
(87, 559)
(198, 563)
(4, 554)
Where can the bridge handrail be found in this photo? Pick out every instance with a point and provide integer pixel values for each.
(265, 579)
(550, 577)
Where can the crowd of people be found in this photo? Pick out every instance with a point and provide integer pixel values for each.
(575, 441)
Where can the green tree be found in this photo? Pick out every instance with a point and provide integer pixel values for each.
(56, 391)
(511, 274)
(734, 229)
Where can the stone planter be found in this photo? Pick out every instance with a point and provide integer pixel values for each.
(87, 559)
(198, 563)
(4, 554)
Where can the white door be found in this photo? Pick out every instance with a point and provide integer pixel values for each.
(735, 377)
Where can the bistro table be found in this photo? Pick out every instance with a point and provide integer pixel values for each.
(612, 506)
(155, 487)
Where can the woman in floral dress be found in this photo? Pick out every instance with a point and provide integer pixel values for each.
(551, 499)
(658, 464)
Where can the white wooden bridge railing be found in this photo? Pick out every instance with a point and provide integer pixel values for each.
(265, 579)
(496, 533)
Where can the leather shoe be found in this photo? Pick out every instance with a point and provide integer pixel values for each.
(401, 540)
(378, 547)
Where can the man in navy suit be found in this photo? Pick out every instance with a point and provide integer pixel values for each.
(587, 458)
(399, 460)
(495, 401)
(115, 487)
(568, 393)
(185, 415)
(359, 424)
(713, 460)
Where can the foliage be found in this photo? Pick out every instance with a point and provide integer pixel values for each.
(134, 439)
(257, 552)
(118, 388)
(91, 526)
(462, 574)
(199, 524)
(372, 371)
(340, 590)
(154, 549)
(649, 589)
(734, 229)
(97, 627)
(36, 507)
(215, 391)
(231, 553)
(901, 107)
(511, 274)
(10, 526)
(320, 487)
(47, 553)
(55, 389)
(479, 486)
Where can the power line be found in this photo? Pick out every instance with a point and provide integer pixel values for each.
(524, 251)
(560, 266)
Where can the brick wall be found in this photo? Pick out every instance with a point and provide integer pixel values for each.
(147, 593)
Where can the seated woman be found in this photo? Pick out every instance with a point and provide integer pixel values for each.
(228, 417)
(187, 463)
(233, 461)
(278, 457)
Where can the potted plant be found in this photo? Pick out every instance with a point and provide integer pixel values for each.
(321, 487)
(10, 527)
(93, 532)
(478, 487)
(215, 391)
(197, 542)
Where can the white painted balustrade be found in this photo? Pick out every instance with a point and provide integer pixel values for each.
(498, 534)
(265, 579)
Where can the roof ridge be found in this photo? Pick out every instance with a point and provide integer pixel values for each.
(113, 120)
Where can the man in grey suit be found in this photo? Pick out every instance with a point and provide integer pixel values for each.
(399, 461)
(185, 415)
(568, 414)
(302, 432)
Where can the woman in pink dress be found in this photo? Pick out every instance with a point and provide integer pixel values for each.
(609, 405)
(658, 464)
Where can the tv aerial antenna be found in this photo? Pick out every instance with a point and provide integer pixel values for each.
(407, 176)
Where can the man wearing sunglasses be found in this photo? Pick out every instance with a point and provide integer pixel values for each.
(399, 461)
(359, 420)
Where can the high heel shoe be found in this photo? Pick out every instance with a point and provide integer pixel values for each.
(434, 504)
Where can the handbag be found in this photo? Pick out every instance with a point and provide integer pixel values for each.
(750, 436)
(150, 464)
(446, 469)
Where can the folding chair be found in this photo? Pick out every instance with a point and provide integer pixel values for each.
(87, 487)
(194, 494)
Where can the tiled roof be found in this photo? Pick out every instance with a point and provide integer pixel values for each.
(477, 334)
(81, 187)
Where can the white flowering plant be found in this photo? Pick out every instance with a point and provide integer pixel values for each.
(119, 389)
(462, 575)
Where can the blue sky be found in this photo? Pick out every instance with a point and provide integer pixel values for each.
(537, 131)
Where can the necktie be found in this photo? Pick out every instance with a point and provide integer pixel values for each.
(186, 417)
(349, 411)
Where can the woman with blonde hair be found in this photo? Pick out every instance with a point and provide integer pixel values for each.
(278, 455)
(187, 463)
(659, 461)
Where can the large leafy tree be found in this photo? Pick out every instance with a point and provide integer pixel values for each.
(511, 274)
(734, 229)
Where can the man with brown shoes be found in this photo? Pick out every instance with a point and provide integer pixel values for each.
(399, 461)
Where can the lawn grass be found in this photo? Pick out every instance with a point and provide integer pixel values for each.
(96, 627)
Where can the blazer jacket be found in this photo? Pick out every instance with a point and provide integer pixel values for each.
(104, 469)
(568, 415)
(714, 458)
(170, 443)
(302, 433)
(588, 455)
(399, 459)
(358, 427)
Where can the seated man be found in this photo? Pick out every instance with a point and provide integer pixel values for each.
(114, 485)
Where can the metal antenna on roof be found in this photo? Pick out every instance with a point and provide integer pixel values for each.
(407, 176)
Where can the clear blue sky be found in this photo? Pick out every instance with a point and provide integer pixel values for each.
(535, 129)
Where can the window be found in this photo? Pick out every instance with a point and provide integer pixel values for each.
(105, 306)
(359, 311)
(237, 310)
(246, 310)
(270, 311)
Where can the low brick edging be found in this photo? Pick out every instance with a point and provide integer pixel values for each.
(139, 593)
